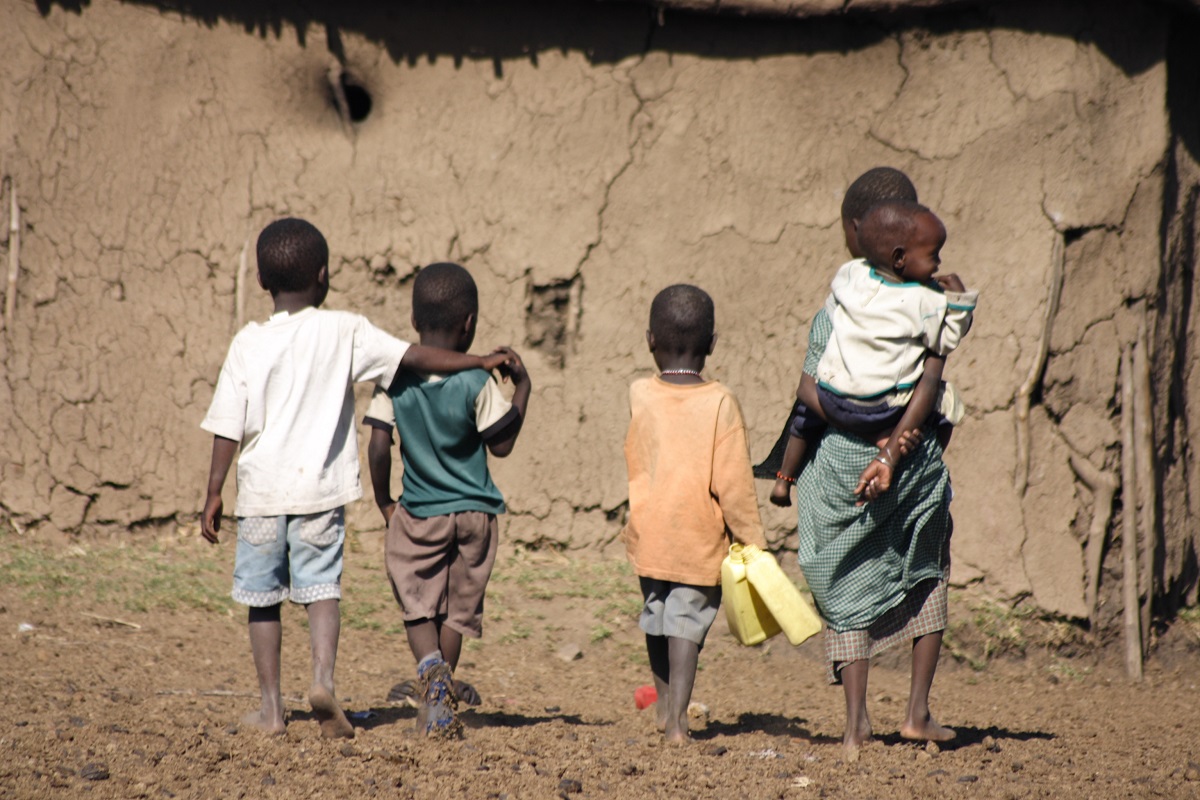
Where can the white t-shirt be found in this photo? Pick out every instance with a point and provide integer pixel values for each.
(285, 392)
(882, 330)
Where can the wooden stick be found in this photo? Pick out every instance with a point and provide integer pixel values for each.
(1033, 379)
(334, 75)
(1103, 487)
(14, 255)
(1129, 546)
(239, 286)
(1143, 433)
(113, 620)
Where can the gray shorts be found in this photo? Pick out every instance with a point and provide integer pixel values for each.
(678, 609)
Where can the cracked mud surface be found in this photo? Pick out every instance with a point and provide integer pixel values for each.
(96, 708)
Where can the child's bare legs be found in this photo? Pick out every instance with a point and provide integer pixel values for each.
(324, 628)
(266, 636)
(854, 684)
(919, 724)
(660, 667)
(684, 657)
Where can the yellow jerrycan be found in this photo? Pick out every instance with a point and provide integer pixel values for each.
(749, 620)
(774, 601)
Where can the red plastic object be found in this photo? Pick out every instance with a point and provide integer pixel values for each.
(644, 696)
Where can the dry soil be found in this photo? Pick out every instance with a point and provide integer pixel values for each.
(125, 673)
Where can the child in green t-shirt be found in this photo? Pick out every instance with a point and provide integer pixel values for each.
(442, 533)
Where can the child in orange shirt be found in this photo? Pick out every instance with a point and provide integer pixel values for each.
(690, 483)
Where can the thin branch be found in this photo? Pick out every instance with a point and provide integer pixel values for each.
(1025, 391)
(112, 620)
(1103, 487)
(239, 286)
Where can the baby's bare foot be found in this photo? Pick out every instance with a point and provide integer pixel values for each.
(266, 723)
(334, 724)
(926, 730)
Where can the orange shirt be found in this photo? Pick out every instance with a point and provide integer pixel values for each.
(690, 482)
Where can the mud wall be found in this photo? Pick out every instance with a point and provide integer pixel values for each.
(577, 158)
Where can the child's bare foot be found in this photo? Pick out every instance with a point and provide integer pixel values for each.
(677, 735)
(857, 734)
(267, 723)
(660, 714)
(926, 730)
(334, 724)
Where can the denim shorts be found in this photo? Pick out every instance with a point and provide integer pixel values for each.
(297, 557)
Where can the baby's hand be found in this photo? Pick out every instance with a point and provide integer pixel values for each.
(950, 282)
(781, 493)
(908, 441)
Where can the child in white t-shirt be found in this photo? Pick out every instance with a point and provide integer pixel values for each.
(285, 396)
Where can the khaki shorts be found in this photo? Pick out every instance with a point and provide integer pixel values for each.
(439, 567)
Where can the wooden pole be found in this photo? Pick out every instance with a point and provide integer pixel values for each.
(1025, 390)
(1143, 433)
(1129, 546)
(14, 255)
(239, 287)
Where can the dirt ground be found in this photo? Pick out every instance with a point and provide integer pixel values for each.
(125, 671)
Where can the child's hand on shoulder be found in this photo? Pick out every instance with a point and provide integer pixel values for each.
(514, 368)
(950, 282)
(498, 358)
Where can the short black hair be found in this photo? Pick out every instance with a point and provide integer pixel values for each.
(682, 320)
(888, 225)
(443, 295)
(291, 253)
(874, 186)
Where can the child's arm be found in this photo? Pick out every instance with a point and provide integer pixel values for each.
(877, 477)
(500, 444)
(379, 460)
(223, 452)
(420, 358)
(733, 477)
(793, 457)
(943, 336)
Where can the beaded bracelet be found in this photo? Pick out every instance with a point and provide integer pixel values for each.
(783, 477)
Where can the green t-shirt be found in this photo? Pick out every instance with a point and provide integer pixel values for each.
(445, 462)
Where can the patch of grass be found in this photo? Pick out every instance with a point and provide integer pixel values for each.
(600, 633)
(367, 603)
(995, 629)
(1066, 670)
(518, 633)
(1189, 618)
(142, 577)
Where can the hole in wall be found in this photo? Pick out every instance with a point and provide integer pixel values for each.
(552, 318)
(349, 97)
